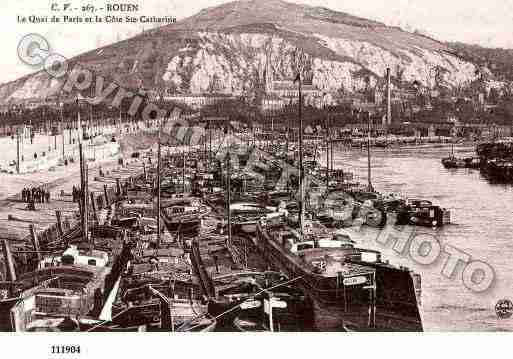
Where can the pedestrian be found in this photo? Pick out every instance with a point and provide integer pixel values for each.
(42, 195)
(47, 195)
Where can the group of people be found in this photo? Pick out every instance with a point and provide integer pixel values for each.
(35, 195)
(77, 194)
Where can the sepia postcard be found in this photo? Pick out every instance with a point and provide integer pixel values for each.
(252, 166)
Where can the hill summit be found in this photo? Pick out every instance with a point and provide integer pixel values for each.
(231, 49)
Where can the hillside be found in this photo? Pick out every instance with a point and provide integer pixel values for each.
(225, 49)
(498, 61)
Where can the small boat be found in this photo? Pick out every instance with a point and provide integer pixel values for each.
(159, 306)
(453, 162)
(422, 213)
(184, 216)
(244, 296)
(201, 324)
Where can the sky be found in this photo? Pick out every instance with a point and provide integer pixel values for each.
(487, 23)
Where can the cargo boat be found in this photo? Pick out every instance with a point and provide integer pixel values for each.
(349, 288)
(77, 283)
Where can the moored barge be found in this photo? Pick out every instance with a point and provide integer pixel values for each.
(350, 288)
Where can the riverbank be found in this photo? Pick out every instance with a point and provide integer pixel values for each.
(15, 218)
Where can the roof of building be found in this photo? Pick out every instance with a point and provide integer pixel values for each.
(289, 85)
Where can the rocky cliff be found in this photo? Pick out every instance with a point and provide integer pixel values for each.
(230, 48)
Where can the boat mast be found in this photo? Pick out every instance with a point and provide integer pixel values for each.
(79, 123)
(9, 263)
(389, 107)
(370, 188)
(327, 153)
(120, 120)
(229, 175)
(209, 144)
(331, 152)
(17, 150)
(62, 129)
(301, 194)
(272, 126)
(159, 224)
(183, 171)
(287, 133)
(84, 199)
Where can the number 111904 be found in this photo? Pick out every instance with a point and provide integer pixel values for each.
(65, 349)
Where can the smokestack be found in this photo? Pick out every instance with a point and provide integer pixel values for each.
(389, 105)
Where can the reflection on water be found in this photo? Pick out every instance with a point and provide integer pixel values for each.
(482, 216)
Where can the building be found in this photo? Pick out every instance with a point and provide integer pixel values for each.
(197, 101)
(271, 103)
(287, 89)
(280, 93)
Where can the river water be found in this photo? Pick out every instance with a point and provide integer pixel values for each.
(482, 227)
